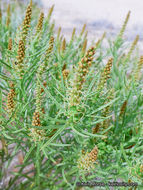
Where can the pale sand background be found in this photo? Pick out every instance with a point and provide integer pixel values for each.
(99, 15)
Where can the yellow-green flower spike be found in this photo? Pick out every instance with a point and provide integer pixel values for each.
(26, 22)
(82, 70)
(131, 48)
(8, 15)
(124, 25)
(10, 98)
(84, 47)
(63, 47)
(87, 160)
(10, 44)
(123, 108)
(137, 71)
(73, 34)
(105, 75)
(50, 12)
(40, 23)
(83, 29)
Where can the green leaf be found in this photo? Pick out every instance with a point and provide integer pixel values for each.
(7, 136)
(78, 133)
(62, 145)
(0, 103)
(5, 64)
(104, 106)
(28, 153)
(38, 165)
(124, 154)
(53, 137)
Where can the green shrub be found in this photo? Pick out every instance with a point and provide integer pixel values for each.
(73, 113)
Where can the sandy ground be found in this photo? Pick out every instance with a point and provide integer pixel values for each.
(99, 15)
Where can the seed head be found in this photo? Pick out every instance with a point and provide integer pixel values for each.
(10, 44)
(73, 34)
(137, 71)
(36, 119)
(65, 73)
(52, 28)
(50, 48)
(39, 75)
(63, 45)
(8, 15)
(20, 57)
(85, 36)
(26, 22)
(93, 154)
(107, 110)
(10, 98)
(122, 110)
(132, 48)
(96, 128)
(83, 29)
(87, 160)
(105, 75)
(82, 70)
(50, 12)
(100, 40)
(124, 25)
(84, 46)
(40, 22)
(59, 32)
(107, 69)
(37, 135)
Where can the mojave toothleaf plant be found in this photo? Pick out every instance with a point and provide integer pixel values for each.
(69, 111)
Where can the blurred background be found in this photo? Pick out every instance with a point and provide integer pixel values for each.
(99, 15)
